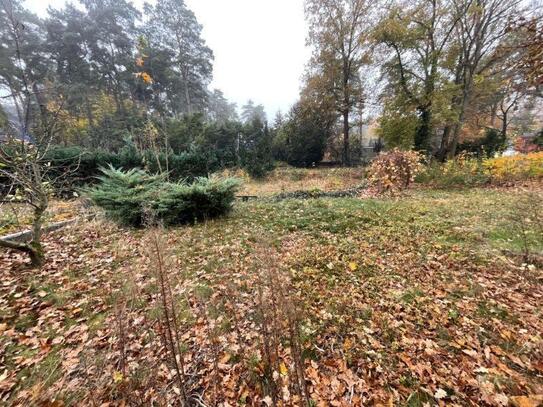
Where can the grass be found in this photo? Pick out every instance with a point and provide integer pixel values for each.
(408, 294)
(14, 217)
(289, 179)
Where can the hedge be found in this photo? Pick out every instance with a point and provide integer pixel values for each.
(75, 166)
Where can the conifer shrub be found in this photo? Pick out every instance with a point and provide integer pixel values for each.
(131, 197)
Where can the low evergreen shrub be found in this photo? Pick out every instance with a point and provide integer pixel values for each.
(131, 197)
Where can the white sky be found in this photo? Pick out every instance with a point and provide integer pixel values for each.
(259, 47)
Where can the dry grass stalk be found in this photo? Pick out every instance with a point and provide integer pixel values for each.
(170, 326)
(280, 311)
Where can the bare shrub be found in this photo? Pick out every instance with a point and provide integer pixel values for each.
(528, 226)
(280, 313)
(170, 325)
(394, 170)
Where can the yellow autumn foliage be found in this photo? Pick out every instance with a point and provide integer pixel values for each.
(466, 170)
(522, 166)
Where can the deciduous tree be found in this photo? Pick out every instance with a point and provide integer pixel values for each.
(339, 31)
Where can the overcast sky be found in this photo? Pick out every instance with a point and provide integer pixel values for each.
(259, 47)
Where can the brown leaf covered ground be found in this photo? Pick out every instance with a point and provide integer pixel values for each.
(434, 298)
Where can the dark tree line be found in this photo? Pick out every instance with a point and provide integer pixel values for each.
(109, 77)
(102, 67)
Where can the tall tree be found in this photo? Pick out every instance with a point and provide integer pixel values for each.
(339, 31)
(528, 48)
(256, 148)
(24, 66)
(219, 109)
(111, 36)
(304, 134)
(482, 27)
(172, 27)
(68, 47)
(418, 35)
(250, 112)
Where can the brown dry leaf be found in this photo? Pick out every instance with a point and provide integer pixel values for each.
(52, 403)
(225, 359)
(267, 400)
(527, 401)
(347, 344)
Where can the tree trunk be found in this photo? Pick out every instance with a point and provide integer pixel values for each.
(442, 153)
(88, 108)
(37, 257)
(187, 94)
(493, 114)
(20, 116)
(33, 249)
(458, 126)
(346, 153)
(422, 136)
(187, 98)
(454, 142)
(505, 124)
(117, 102)
(42, 105)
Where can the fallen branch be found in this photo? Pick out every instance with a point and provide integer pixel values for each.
(26, 235)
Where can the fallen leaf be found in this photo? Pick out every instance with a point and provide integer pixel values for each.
(117, 377)
(527, 401)
(440, 394)
(283, 369)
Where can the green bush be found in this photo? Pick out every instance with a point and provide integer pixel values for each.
(77, 166)
(204, 199)
(131, 197)
(463, 171)
(398, 127)
(301, 140)
(256, 149)
(492, 143)
(73, 167)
